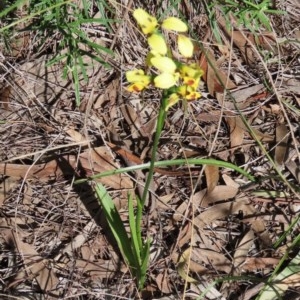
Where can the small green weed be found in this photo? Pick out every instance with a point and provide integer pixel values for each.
(253, 15)
(66, 21)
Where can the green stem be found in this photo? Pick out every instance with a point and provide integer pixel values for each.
(159, 126)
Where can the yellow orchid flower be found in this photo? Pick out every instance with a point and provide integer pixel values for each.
(175, 24)
(192, 82)
(147, 22)
(165, 80)
(192, 70)
(133, 75)
(138, 79)
(193, 96)
(185, 46)
(157, 44)
(188, 92)
(138, 76)
(164, 64)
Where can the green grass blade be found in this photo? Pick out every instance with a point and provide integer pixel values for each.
(11, 7)
(31, 16)
(133, 230)
(174, 162)
(116, 225)
(145, 262)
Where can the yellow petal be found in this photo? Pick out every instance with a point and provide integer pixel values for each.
(175, 24)
(191, 82)
(164, 81)
(157, 44)
(131, 75)
(136, 87)
(136, 76)
(147, 22)
(193, 96)
(173, 99)
(185, 46)
(182, 90)
(164, 64)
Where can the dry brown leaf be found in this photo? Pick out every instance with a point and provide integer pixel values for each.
(256, 263)
(229, 181)
(75, 135)
(133, 121)
(203, 199)
(42, 171)
(236, 126)
(110, 96)
(212, 177)
(259, 228)
(5, 99)
(220, 211)
(132, 159)
(35, 266)
(294, 169)
(164, 200)
(100, 160)
(215, 260)
(90, 162)
(220, 192)
(242, 250)
(281, 144)
(241, 95)
(163, 282)
(80, 239)
(215, 83)
(100, 269)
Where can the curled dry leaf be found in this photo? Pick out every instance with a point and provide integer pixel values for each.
(212, 177)
(281, 144)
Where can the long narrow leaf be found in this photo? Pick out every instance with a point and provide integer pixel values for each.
(115, 223)
(174, 162)
(134, 238)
